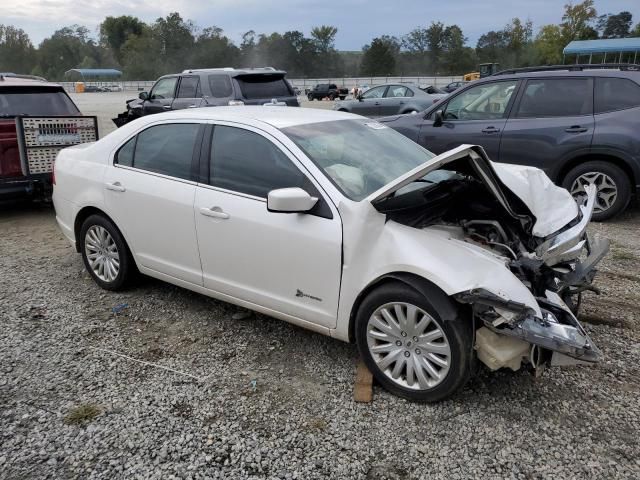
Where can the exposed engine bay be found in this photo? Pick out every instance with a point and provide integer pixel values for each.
(467, 200)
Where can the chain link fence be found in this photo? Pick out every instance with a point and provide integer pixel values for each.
(301, 83)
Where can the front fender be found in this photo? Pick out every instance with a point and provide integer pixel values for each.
(374, 248)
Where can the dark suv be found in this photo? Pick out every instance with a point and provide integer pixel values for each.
(210, 88)
(579, 123)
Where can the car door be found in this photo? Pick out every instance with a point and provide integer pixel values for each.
(476, 115)
(289, 263)
(161, 96)
(552, 120)
(189, 94)
(394, 99)
(370, 102)
(149, 193)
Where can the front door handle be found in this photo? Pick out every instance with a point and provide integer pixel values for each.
(490, 130)
(115, 186)
(166, 107)
(215, 212)
(576, 129)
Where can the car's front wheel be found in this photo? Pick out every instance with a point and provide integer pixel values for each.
(105, 253)
(408, 346)
(613, 188)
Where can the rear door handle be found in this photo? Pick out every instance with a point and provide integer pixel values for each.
(576, 129)
(115, 186)
(166, 107)
(490, 130)
(215, 212)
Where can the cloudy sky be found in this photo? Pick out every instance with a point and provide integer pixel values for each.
(357, 20)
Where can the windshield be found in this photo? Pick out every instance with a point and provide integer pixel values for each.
(359, 156)
(35, 101)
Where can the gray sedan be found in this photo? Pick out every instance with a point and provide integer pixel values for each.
(390, 99)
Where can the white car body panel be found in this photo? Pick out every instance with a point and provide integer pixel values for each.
(549, 203)
(259, 259)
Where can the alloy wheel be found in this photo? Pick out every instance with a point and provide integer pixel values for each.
(606, 189)
(408, 345)
(102, 253)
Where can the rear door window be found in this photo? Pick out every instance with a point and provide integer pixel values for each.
(616, 94)
(556, 97)
(165, 149)
(220, 86)
(263, 86)
(189, 87)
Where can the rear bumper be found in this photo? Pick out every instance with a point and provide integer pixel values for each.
(36, 186)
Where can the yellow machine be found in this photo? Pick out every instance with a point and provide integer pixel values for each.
(486, 69)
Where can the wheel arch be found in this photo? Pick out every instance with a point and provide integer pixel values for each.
(616, 160)
(86, 212)
(427, 288)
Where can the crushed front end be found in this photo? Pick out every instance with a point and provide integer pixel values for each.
(561, 267)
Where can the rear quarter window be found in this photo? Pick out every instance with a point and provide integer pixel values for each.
(616, 94)
(220, 86)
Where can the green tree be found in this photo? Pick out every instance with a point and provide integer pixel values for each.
(549, 44)
(636, 31)
(213, 49)
(615, 26)
(324, 37)
(491, 46)
(577, 21)
(17, 54)
(435, 35)
(67, 48)
(114, 32)
(380, 57)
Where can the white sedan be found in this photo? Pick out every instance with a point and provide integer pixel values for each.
(341, 225)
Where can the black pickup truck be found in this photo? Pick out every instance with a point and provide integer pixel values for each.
(327, 90)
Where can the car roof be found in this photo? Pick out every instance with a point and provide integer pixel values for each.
(586, 72)
(278, 117)
(23, 81)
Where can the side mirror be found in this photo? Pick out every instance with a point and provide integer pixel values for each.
(438, 118)
(360, 97)
(143, 96)
(290, 200)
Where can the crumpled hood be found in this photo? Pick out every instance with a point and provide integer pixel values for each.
(552, 206)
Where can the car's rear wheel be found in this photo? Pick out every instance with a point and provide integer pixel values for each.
(612, 184)
(407, 345)
(332, 97)
(105, 253)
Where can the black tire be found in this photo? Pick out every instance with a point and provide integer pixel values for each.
(342, 97)
(615, 173)
(332, 97)
(127, 268)
(310, 98)
(458, 333)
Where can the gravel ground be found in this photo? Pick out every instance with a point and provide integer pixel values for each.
(255, 397)
(228, 395)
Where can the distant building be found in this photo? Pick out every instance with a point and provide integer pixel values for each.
(611, 50)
